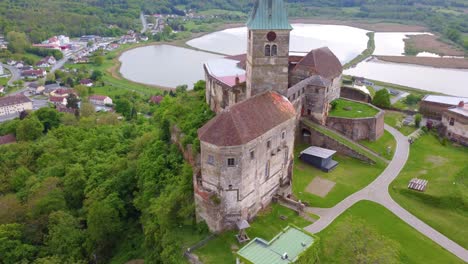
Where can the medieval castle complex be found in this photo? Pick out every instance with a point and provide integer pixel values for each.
(247, 149)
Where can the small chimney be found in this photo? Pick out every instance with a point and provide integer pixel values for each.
(237, 80)
(461, 104)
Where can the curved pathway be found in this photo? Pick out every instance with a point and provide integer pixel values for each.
(377, 191)
(15, 74)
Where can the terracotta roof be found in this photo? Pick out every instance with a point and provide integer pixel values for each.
(7, 139)
(156, 99)
(98, 97)
(56, 99)
(321, 61)
(14, 99)
(86, 81)
(247, 120)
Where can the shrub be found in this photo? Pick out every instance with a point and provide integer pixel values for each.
(382, 99)
(417, 120)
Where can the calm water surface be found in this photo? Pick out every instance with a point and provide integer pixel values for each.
(346, 42)
(164, 65)
(170, 66)
(448, 81)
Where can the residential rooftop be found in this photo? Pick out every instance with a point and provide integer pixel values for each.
(442, 99)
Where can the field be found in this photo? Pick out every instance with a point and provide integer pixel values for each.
(350, 109)
(444, 203)
(431, 43)
(427, 61)
(350, 176)
(380, 146)
(413, 246)
(392, 118)
(267, 225)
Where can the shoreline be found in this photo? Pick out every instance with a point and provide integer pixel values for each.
(442, 63)
(366, 25)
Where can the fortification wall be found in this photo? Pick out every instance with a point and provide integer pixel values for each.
(354, 94)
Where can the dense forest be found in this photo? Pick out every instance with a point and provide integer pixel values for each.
(80, 190)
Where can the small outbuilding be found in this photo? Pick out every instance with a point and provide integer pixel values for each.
(319, 157)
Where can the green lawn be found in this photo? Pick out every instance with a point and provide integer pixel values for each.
(381, 145)
(350, 109)
(392, 118)
(444, 204)
(4, 81)
(413, 246)
(267, 225)
(350, 176)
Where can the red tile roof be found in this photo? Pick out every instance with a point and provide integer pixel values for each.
(247, 120)
(56, 99)
(320, 61)
(86, 81)
(97, 97)
(156, 99)
(7, 139)
(231, 80)
(14, 99)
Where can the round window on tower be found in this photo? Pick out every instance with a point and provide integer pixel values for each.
(271, 36)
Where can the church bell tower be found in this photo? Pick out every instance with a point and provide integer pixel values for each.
(267, 63)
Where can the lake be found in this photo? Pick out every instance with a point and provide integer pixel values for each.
(346, 42)
(169, 66)
(448, 81)
(164, 65)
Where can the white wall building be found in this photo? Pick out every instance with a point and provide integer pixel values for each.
(14, 104)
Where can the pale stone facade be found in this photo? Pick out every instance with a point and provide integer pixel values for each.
(14, 104)
(455, 121)
(267, 62)
(259, 172)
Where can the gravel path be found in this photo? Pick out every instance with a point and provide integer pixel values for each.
(377, 191)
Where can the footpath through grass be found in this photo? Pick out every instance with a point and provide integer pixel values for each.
(381, 145)
(413, 246)
(444, 204)
(351, 109)
(267, 225)
(350, 176)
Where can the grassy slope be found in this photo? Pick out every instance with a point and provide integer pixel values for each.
(350, 176)
(414, 247)
(267, 225)
(393, 117)
(380, 146)
(358, 110)
(444, 203)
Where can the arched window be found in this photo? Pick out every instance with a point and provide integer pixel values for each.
(267, 51)
(274, 50)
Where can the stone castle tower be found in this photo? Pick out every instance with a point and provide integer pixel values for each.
(267, 48)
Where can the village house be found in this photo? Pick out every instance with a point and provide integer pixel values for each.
(433, 106)
(33, 74)
(46, 62)
(455, 123)
(62, 92)
(100, 100)
(36, 88)
(86, 82)
(14, 104)
(156, 99)
(58, 100)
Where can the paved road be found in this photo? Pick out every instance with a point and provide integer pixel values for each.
(59, 64)
(397, 98)
(377, 191)
(15, 74)
(143, 22)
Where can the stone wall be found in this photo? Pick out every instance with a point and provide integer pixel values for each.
(267, 73)
(458, 131)
(225, 193)
(370, 128)
(355, 94)
(219, 95)
(433, 110)
(322, 140)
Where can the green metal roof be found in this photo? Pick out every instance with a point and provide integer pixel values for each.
(289, 241)
(269, 15)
